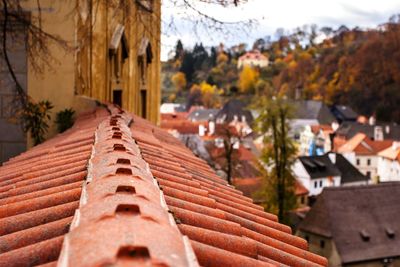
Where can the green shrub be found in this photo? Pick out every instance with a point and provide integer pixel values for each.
(35, 117)
(65, 119)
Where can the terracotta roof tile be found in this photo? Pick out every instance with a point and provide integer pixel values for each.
(111, 190)
(213, 256)
(361, 144)
(39, 193)
(221, 209)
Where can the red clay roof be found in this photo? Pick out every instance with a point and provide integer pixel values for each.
(183, 126)
(90, 194)
(39, 193)
(251, 185)
(324, 127)
(362, 145)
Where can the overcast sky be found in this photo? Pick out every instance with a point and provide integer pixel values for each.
(271, 14)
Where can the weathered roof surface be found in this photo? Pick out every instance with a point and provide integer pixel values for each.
(319, 166)
(344, 113)
(311, 109)
(349, 173)
(232, 108)
(348, 129)
(116, 189)
(39, 192)
(343, 212)
(202, 114)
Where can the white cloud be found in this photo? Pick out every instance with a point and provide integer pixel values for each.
(271, 15)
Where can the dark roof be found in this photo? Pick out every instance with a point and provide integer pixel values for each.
(347, 213)
(117, 189)
(313, 110)
(349, 173)
(203, 114)
(319, 166)
(344, 113)
(349, 129)
(235, 107)
(322, 166)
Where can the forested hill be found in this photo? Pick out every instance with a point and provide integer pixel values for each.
(359, 68)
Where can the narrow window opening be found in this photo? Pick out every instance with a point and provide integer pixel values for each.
(117, 97)
(143, 103)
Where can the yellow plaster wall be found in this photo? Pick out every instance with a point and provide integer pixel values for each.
(85, 69)
(54, 83)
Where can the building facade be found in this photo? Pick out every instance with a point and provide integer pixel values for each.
(363, 152)
(110, 53)
(389, 164)
(253, 59)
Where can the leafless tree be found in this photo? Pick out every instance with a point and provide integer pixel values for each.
(14, 21)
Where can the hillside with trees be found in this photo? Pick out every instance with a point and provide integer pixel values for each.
(355, 67)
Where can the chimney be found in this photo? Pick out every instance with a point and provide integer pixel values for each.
(236, 144)
(211, 127)
(372, 120)
(332, 157)
(235, 119)
(378, 133)
(202, 130)
(387, 129)
(334, 126)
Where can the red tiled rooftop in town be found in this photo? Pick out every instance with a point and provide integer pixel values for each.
(116, 189)
(360, 144)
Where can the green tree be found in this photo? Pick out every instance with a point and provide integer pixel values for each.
(200, 55)
(187, 66)
(179, 50)
(277, 156)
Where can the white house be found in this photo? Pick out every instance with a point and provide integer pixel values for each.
(315, 173)
(362, 152)
(389, 163)
(330, 169)
(169, 107)
(253, 58)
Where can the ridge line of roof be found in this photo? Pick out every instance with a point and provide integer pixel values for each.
(119, 196)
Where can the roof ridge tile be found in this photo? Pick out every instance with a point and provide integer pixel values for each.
(119, 197)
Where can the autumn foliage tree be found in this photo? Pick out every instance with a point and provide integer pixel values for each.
(355, 67)
(209, 95)
(179, 81)
(277, 156)
(248, 79)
